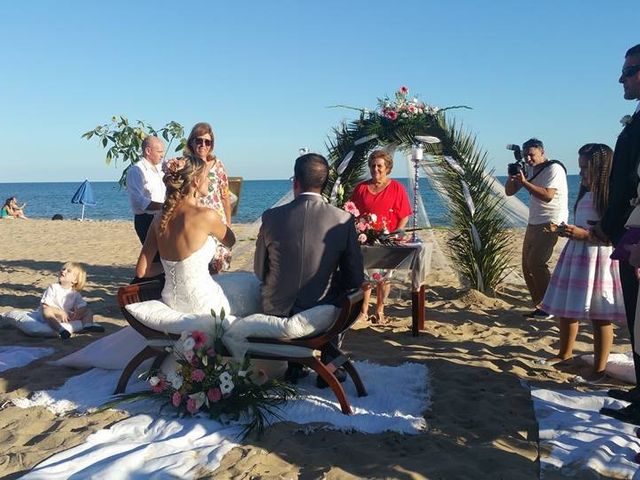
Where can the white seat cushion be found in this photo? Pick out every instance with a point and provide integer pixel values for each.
(158, 316)
(242, 290)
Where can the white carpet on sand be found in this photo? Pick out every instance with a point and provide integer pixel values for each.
(619, 365)
(12, 357)
(575, 438)
(150, 444)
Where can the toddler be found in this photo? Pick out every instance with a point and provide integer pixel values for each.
(62, 303)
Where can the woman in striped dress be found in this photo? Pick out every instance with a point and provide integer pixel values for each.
(585, 284)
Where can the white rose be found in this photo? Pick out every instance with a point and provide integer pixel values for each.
(188, 344)
(153, 381)
(225, 377)
(175, 380)
(226, 387)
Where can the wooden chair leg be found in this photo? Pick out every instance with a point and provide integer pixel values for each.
(146, 352)
(326, 374)
(355, 377)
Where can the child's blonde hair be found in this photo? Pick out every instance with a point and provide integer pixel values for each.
(80, 272)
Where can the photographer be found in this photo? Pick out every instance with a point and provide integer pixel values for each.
(548, 193)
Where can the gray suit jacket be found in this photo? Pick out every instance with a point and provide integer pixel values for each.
(307, 254)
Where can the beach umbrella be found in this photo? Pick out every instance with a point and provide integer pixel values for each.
(84, 196)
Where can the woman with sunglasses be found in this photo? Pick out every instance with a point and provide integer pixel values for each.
(200, 144)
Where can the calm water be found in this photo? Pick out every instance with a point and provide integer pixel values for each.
(46, 199)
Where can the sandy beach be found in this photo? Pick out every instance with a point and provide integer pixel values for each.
(479, 350)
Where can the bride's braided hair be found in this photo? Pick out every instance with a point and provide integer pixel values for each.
(178, 178)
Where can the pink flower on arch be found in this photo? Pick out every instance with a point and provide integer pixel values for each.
(214, 394)
(176, 398)
(192, 406)
(403, 90)
(197, 375)
(391, 114)
(199, 337)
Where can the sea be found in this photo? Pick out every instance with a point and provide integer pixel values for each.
(47, 199)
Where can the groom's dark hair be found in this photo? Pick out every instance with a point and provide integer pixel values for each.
(311, 171)
(633, 51)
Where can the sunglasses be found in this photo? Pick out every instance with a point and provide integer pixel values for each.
(630, 71)
(203, 141)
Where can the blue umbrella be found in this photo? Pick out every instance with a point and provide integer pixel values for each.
(84, 196)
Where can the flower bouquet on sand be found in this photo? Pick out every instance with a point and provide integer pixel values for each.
(204, 381)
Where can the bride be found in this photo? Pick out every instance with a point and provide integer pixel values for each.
(186, 235)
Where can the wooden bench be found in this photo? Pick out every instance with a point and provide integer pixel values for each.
(325, 342)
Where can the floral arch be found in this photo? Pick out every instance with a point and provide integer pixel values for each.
(480, 246)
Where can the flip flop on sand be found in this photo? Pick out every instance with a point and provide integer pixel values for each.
(380, 318)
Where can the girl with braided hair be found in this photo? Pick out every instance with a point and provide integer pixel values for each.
(186, 235)
(585, 284)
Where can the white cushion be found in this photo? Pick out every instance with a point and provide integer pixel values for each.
(158, 316)
(304, 324)
(28, 323)
(242, 290)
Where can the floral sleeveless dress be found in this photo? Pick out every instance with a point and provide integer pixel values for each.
(218, 191)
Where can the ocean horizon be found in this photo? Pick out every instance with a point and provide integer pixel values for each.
(45, 199)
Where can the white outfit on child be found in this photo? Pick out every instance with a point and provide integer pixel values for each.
(57, 296)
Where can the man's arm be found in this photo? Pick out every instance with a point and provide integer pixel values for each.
(261, 257)
(351, 262)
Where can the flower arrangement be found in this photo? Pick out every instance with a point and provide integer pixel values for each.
(206, 382)
(403, 107)
(370, 228)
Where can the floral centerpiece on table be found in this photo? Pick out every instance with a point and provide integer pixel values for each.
(370, 227)
(206, 382)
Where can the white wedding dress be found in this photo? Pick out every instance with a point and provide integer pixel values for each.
(189, 287)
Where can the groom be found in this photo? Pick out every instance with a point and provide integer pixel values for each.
(307, 252)
(623, 182)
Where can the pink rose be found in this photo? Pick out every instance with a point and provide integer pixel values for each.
(361, 226)
(362, 238)
(214, 394)
(160, 386)
(391, 114)
(176, 398)
(377, 276)
(197, 375)
(199, 337)
(191, 406)
(352, 209)
(403, 90)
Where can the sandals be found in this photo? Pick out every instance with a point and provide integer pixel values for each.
(378, 318)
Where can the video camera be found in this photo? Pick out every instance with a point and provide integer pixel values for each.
(518, 165)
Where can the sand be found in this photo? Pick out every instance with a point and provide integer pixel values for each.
(479, 351)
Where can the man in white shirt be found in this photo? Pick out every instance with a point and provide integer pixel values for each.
(145, 186)
(548, 208)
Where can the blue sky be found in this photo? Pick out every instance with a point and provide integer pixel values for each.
(263, 73)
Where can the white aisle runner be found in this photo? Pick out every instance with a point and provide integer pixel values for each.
(12, 357)
(150, 445)
(575, 438)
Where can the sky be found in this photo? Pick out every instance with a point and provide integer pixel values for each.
(264, 73)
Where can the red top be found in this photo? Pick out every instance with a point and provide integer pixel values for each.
(390, 204)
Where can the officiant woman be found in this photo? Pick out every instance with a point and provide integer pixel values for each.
(200, 144)
(388, 200)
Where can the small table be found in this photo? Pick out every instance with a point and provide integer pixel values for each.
(415, 257)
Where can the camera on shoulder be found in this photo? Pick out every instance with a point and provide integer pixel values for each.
(517, 166)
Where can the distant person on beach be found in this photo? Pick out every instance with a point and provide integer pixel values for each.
(307, 251)
(623, 195)
(585, 284)
(388, 200)
(11, 209)
(144, 185)
(200, 144)
(548, 208)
